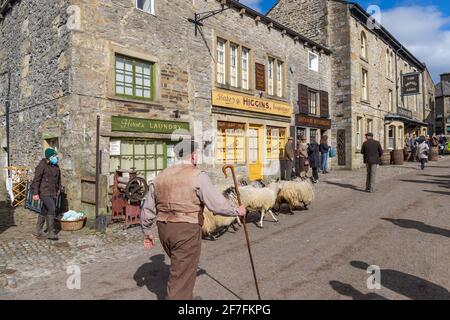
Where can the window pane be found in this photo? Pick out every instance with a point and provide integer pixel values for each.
(221, 61)
(151, 163)
(139, 148)
(127, 163)
(233, 65)
(271, 77)
(126, 148)
(114, 163)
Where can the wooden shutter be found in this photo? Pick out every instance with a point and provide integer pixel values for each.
(324, 105)
(303, 99)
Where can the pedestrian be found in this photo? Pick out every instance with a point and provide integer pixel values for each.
(176, 199)
(372, 152)
(324, 149)
(302, 156)
(313, 157)
(289, 158)
(442, 145)
(414, 147)
(422, 153)
(46, 187)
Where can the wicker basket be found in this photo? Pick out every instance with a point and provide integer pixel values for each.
(72, 225)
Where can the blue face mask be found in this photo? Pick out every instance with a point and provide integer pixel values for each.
(54, 160)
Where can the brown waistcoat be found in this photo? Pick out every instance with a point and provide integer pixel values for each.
(176, 197)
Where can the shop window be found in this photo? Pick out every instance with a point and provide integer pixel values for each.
(146, 6)
(391, 137)
(147, 157)
(358, 133)
(313, 61)
(134, 78)
(276, 139)
(230, 143)
(313, 135)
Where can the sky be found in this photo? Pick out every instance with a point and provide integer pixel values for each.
(422, 26)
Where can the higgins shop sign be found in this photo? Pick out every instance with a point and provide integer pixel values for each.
(127, 124)
(411, 84)
(249, 103)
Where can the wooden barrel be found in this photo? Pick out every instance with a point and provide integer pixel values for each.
(386, 158)
(434, 154)
(398, 157)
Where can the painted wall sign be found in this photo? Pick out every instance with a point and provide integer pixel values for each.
(119, 123)
(231, 100)
(260, 77)
(410, 84)
(313, 122)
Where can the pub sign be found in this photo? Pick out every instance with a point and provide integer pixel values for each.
(411, 84)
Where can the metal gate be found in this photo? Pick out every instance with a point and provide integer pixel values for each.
(341, 147)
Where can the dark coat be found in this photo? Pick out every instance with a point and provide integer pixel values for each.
(313, 155)
(324, 148)
(372, 151)
(47, 180)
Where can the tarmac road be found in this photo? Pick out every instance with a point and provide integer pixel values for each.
(323, 253)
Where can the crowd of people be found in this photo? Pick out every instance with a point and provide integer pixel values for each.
(418, 148)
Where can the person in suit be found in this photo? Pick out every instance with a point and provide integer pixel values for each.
(372, 152)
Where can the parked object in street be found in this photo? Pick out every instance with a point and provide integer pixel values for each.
(372, 152)
(72, 221)
(46, 187)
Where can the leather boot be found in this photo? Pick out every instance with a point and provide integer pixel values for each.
(51, 228)
(39, 226)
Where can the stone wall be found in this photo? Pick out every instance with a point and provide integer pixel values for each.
(307, 17)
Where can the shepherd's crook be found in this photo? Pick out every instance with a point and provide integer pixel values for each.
(224, 169)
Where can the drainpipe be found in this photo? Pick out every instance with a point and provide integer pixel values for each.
(7, 116)
(396, 75)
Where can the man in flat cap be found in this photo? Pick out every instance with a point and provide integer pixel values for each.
(289, 158)
(372, 152)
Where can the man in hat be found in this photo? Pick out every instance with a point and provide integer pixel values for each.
(176, 199)
(372, 152)
(46, 186)
(289, 158)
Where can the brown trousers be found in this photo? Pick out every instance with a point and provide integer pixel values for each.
(182, 243)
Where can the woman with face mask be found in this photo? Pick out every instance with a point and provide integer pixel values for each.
(46, 187)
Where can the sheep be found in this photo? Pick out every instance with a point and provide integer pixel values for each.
(296, 193)
(256, 198)
(216, 225)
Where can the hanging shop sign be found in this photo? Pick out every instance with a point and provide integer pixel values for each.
(411, 83)
(233, 100)
(126, 124)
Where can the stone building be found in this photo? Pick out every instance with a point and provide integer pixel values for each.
(368, 65)
(235, 82)
(443, 105)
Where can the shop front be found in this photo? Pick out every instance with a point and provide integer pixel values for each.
(251, 132)
(311, 127)
(144, 145)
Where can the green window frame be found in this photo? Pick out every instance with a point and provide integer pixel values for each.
(150, 154)
(134, 78)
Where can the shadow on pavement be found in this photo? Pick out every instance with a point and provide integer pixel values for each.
(438, 192)
(154, 276)
(420, 226)
(204, 272)
(344, 185)
(408, 285)
(348, 290)
(6, 217)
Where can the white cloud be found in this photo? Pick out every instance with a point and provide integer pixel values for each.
(254, 4)
(424, 31)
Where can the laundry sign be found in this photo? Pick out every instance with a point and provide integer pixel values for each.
(411, 83)
(127, 124)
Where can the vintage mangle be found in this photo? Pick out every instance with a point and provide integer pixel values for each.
(129, 191)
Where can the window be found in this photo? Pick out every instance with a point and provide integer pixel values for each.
(313, 102)
(364, 85)
(400, 137)
(388, 64)
(313, 61)
(364, 53)
(230, 142)
(245, 68)
(271, 76)
(147, 157)
(279, 78)
(391, 65)
(391, 101)
(358, 133)
(313, 135)
(391, 137)
(233, 65)
(369, 125)
(146, 6)
(134, 78)
(416, 104)
(220, 61)
(275, 142)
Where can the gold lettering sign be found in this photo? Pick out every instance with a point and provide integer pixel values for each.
(248, 103)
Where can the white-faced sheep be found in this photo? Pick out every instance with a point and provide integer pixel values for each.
(216, 225)
(295, 193)
(256, 198)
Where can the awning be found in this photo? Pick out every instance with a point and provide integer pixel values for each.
(406, 121)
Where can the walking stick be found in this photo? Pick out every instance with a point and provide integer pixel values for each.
(224, 169)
